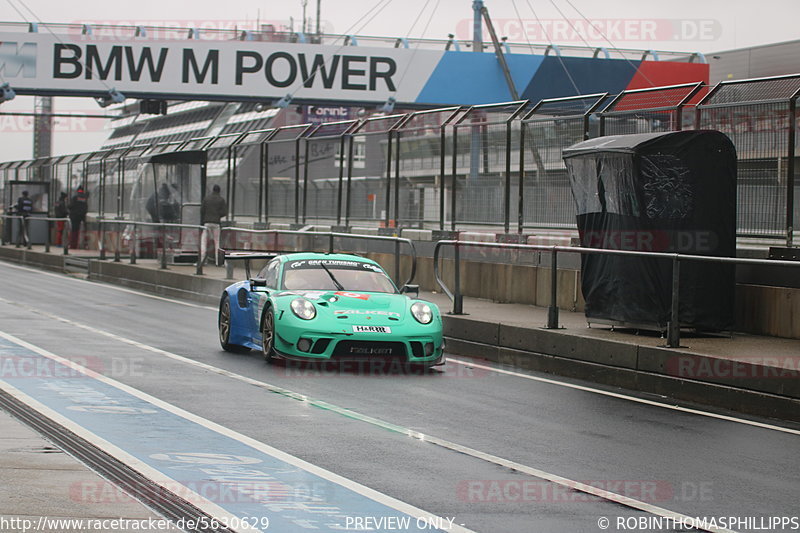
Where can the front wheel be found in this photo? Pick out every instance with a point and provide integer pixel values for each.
(224, 325)
(268, 335)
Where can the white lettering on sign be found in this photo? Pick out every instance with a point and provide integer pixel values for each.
(81, 63)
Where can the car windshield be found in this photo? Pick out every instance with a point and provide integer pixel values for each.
(351, 275)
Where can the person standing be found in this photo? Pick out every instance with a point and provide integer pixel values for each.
(60, 211)
(78, 207)
(24, 210)
(214, 207)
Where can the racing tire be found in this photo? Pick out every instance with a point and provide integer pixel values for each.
(224, 327)
(268, 336)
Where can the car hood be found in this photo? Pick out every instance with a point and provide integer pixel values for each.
(378, 308)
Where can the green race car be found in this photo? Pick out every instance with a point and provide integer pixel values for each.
(328, 307)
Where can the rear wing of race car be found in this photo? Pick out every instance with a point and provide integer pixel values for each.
(249, 256)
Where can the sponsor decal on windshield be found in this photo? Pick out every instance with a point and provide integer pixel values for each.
(336, 263)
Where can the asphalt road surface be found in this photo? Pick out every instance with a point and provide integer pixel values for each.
(497, 451)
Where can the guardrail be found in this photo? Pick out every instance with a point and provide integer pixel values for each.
(25, 221)
(162, 234)
(673, 325)
(398, 241)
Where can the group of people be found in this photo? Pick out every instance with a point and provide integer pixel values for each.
(214, 208)
(75, 209)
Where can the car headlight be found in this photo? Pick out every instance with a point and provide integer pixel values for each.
(422, 312)
(304, 309)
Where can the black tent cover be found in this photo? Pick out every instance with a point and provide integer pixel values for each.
(662, 192)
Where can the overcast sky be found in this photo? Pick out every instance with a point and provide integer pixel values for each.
(680, 25)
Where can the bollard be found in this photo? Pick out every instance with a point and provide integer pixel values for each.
(133, 245)
(117, 257)
(552, 311)
(458, 298)
(102, 241)
(47, 236)
(201, 234)
(163, 247)
(674, 324)
(65, 235)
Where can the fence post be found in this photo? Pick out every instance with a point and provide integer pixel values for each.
(134, 242)
(117, 246)
(26, 227)
(674, 326)
(47, 236)
(397, 261)
(66, 230)
(458, 298)
(101, 243)
(790, 171)
(507, 192)
(442, 170)
(521, 177)
(201, 236)
(163, 246)
(552, 311)
(330, 243)
(453, 184)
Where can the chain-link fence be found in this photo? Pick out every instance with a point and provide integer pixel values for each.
(495, 166)
(760, 117)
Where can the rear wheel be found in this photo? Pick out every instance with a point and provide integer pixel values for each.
(268, 335)
(224, 326)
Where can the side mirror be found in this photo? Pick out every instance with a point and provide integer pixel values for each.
(255, 282)
(408, 289)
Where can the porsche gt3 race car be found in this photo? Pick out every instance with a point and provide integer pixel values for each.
(328, 307)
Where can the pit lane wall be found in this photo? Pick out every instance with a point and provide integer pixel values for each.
(760, 309)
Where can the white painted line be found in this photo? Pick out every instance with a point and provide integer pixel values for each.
(349, 413)
(265, 448)
(623, 396)
(161, 479)
(502, 371)
(107, 285)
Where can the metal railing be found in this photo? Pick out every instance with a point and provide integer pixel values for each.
(25, 221)
(492, 166)
(162, 233)
(673, 324)
(331, 236)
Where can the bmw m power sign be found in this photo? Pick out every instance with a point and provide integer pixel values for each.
(84, 65)
(265, 70)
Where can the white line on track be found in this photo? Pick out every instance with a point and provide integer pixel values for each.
(473, 364)
(624, 396)
(215, 510)
(449, 445)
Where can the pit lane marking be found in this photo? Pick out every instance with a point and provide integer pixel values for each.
(166, 481)
(349, 413)
(550, 381)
